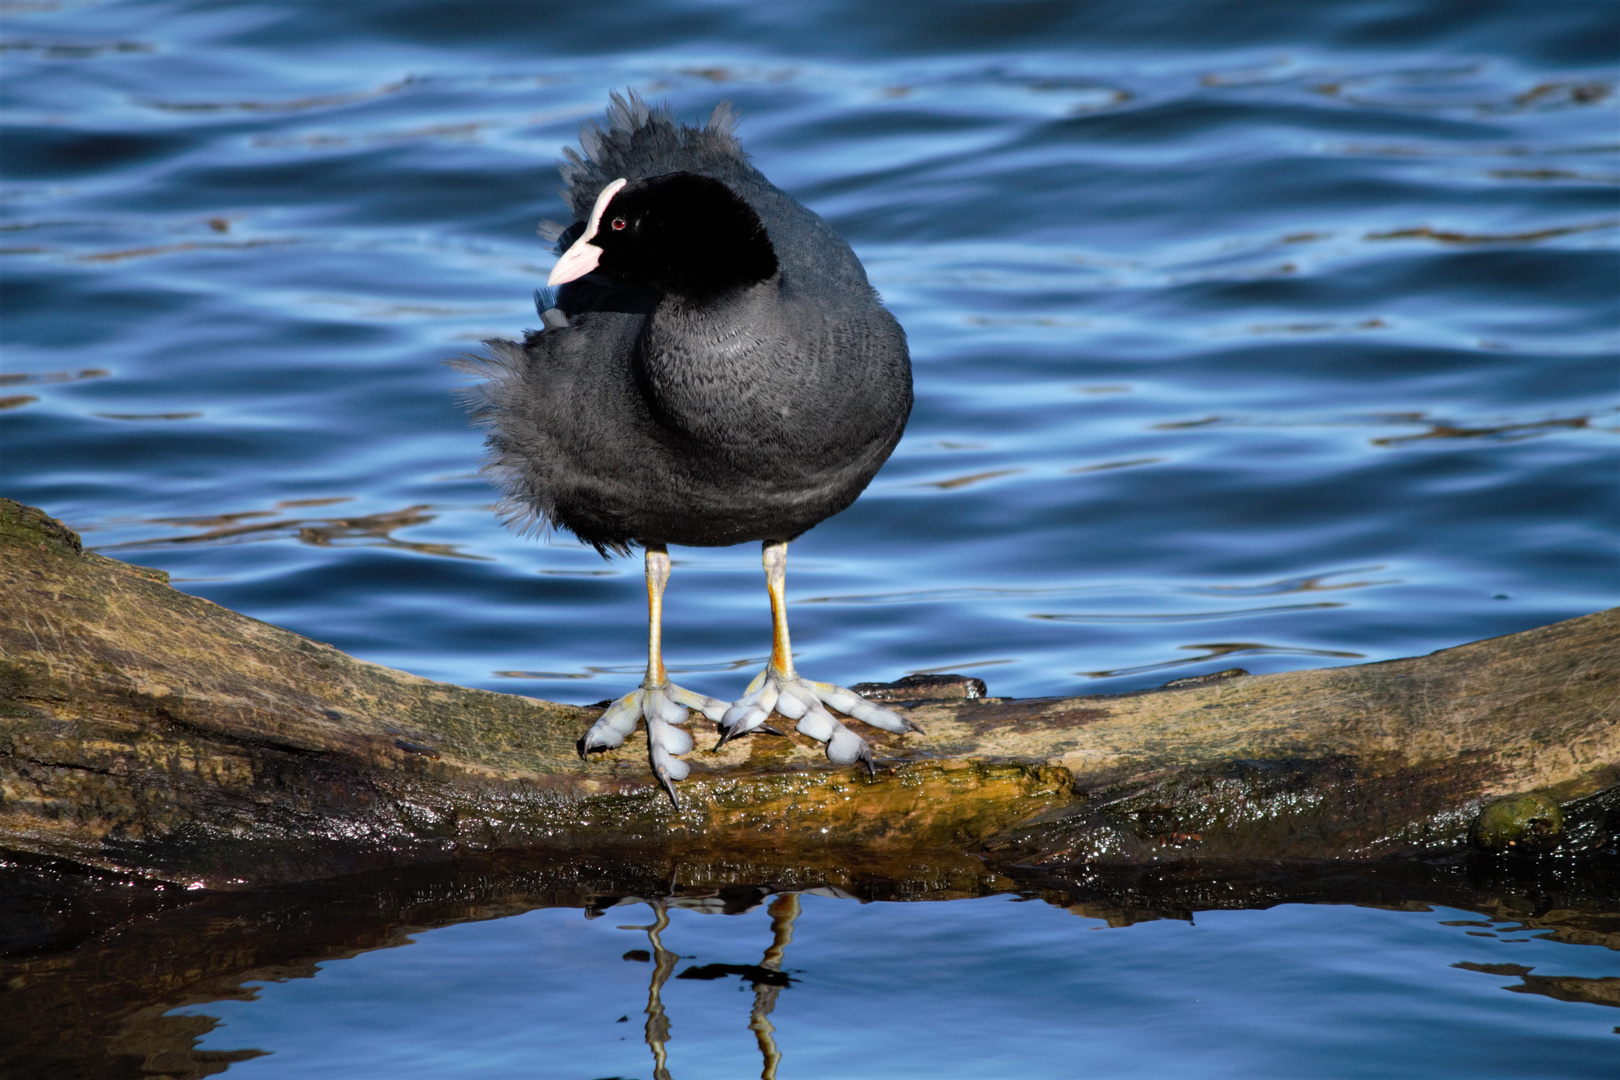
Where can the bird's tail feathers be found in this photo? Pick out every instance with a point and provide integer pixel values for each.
(497, 391)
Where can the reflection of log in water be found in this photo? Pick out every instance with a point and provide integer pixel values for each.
(94, 964)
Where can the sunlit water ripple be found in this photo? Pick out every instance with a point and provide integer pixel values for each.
(1245, 334)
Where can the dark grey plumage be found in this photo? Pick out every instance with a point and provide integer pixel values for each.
(642, 418)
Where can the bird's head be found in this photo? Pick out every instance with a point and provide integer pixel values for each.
(679, 234)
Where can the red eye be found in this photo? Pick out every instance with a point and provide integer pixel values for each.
(618, 224)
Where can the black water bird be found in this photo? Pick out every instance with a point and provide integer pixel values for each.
(714, 368)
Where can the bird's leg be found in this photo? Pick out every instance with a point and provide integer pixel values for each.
(660, 702)
(781, 689)
(774, 556)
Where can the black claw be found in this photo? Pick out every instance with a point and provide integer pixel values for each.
(732, 733)
(871, 769)
(579, 748)
(670, 788)
(914, 727)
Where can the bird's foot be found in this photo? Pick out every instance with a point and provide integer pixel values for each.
(665, 707)
(807, 702)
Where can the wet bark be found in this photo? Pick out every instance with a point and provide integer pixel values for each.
(151, 732)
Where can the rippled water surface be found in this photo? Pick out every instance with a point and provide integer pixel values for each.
(910, 990)
(1262, 334)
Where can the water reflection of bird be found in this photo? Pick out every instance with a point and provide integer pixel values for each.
(657, 1029)
(784, 911)
(714, 368)
(766, 976)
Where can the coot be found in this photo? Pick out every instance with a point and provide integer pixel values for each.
(713, 368)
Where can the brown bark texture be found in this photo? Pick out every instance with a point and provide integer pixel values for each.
(146, 731)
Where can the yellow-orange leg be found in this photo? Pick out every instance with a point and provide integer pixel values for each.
(658, 701)
(779, 688)
(774, 557)
(657, 564)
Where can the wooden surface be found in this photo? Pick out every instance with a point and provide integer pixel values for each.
(146, 730)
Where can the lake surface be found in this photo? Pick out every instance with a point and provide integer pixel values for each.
(1245, 334)
(912, 990)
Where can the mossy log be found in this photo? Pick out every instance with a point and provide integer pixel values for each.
(148, 731)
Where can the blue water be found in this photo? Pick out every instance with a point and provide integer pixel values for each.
(1265, 334)
(911, 990)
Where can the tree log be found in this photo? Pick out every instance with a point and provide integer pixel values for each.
(151, 732)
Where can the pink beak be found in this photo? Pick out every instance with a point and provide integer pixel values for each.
(581, 258)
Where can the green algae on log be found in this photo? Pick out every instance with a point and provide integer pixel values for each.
(149, 731)
(1530, 823)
